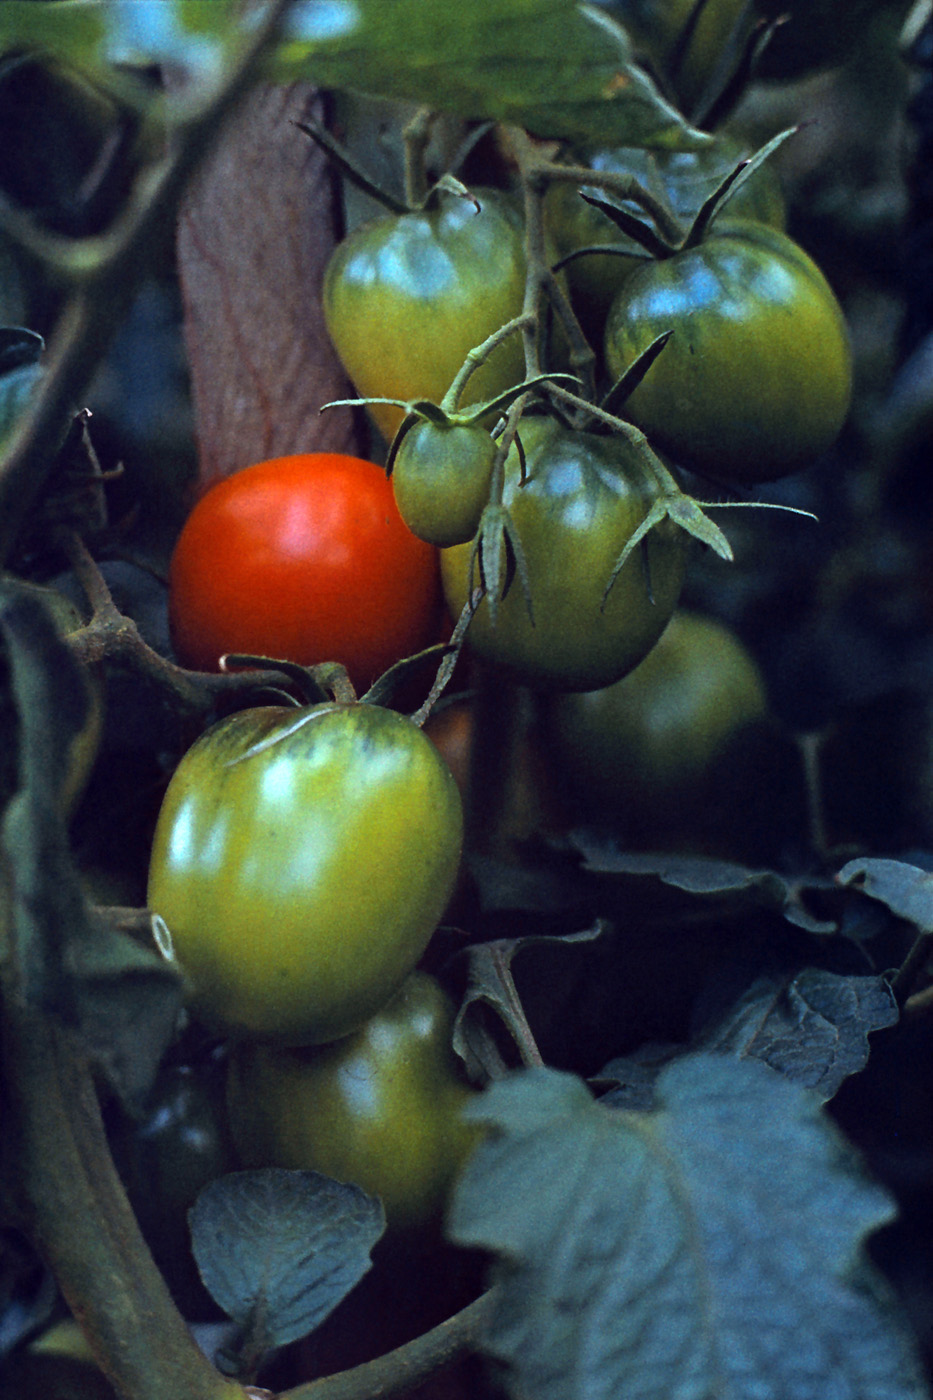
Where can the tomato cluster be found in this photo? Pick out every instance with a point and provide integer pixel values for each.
(303, 857)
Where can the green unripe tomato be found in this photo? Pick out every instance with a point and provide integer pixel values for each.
(684, 179)
(649, 741)
(441, 480)
(381, 1108)
(756, 380)
(301, 861)
(408, 295)
(582, 500)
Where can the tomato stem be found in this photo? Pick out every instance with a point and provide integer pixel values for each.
(478, 355)
(402, 1369)
(78, 1215)
(109, 635)
(105, 270)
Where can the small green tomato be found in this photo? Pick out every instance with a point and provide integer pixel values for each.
(441, 479)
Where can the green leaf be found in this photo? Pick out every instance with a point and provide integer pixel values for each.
(711, 1248)
(554, 66)
(104, 36)
(491, 987)
(905, 889)
(278, 1250)
(732, 887)
(812, 1026)
(121, 997)
(560, 68)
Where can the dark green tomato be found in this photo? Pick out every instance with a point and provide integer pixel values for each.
(408, 295)
(301, 861)
(817, 34)
(647, 743)
(441, 480)
(381, 1108)
(689, 63)
(684, 179)
(756, 380)
(582, 501)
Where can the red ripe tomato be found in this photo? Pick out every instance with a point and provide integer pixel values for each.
(304, 559)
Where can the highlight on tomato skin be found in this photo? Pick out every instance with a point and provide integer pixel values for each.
(407, 296)
(301, 861)
(756, 380)
(303, 558)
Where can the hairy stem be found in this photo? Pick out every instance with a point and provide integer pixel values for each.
(405, 1367)
(78, 1215)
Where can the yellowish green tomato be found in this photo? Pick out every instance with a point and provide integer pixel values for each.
(756, 379)
(381, 1108)
(301, 861)
(651, 739)
(407, 296)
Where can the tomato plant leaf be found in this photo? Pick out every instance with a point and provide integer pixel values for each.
(905, 889)
(735, 886)
(278, 1250)
(122, 998)
(709, 1247)
(812, 1026)
(491, 988)
(560, 68)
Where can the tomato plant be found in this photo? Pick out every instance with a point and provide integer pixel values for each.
(301, 861)
(408, 295)
(380, 1108)
(304, 559)
(647, 743)
(583, 498)
(653, 1023)
(684, 179)
(441, 480)
(756, 379)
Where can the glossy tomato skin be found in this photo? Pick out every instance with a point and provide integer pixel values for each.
(441, 480)
(651, 738)
(380, 1108)
(756, 380)
(304, 559)
(685, 179)
(408, 295)
(301, 861)
(580, 504)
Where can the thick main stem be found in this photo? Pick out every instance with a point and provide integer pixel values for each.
(80, 1220)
